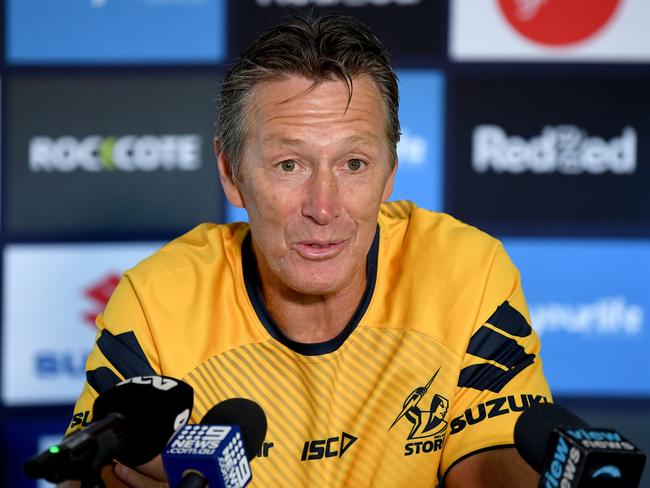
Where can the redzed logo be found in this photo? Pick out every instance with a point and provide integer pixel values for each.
(558, 22)
(99, 293)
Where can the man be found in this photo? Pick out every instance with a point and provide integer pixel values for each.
(336, 312)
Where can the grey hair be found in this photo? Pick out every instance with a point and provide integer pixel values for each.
(331, 47)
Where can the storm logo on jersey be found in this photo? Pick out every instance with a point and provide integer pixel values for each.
(424, 423)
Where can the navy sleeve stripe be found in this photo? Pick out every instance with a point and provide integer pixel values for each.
(489, 377)
(509, 320)
(101, 379)
(125, 354)
(492, 346)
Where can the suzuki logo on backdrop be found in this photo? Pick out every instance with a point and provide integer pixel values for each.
(50, 363)
(126, 153)
(544, 21)
(605, 316)
(564, 149)
(99, 293)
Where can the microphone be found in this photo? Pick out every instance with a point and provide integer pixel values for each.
(568, 453)
(217, 451)
(132, 422)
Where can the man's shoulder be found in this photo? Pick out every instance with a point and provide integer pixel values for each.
(434, 271)
(424, 234)
(205, 246)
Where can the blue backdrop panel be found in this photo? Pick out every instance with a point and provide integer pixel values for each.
(115, 31)
(420, 151)
(589, 302)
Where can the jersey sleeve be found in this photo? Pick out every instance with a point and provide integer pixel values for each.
(123, 349)
(501, 372)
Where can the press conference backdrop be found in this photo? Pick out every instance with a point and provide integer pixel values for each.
(529, 119)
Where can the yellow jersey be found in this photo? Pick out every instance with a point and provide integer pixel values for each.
(436, 364)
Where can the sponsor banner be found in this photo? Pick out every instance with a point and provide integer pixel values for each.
(410, 29)
(536, 154)
(51, 296)
(115, 31)
(550, 30)
(589, 303)
(420, 150)
(131, 155)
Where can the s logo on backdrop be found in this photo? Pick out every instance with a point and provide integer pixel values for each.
(558, 22)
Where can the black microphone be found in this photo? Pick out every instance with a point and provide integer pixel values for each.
(568, 453)
(216, 452)
(132, 422)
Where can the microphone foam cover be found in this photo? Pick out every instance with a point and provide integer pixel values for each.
(247, 414)
(534, 427)
(153, 407)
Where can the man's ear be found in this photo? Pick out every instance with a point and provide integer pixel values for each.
(388, 189)
(228, 182)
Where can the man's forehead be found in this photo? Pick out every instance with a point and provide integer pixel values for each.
(292, 90)
(289, 112)
(358, 137)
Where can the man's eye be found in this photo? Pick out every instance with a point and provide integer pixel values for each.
(288, 165)
(355, 164)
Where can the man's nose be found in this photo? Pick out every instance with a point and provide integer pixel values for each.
(321, 200)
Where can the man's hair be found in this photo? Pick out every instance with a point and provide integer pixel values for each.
(327, 48)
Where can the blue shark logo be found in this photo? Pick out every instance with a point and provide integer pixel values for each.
(608, 471)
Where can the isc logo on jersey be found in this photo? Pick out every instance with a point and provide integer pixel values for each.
(327, 448)
(564, 149)
(126, 153)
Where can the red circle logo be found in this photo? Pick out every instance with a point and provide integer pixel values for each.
(558, 22)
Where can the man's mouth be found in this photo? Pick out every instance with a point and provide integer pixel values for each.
(317, 250)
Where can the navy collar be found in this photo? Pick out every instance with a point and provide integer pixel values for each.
(254, 290)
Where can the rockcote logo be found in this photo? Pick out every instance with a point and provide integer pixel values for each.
(558, 22)
(126, 153)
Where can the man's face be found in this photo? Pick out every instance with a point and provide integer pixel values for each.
(313, 175)
(441, 409)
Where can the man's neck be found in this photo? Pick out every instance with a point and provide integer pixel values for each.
(313, 318)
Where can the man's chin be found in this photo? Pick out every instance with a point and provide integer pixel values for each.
(318, 285)
(323, 278)
(316, 288)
